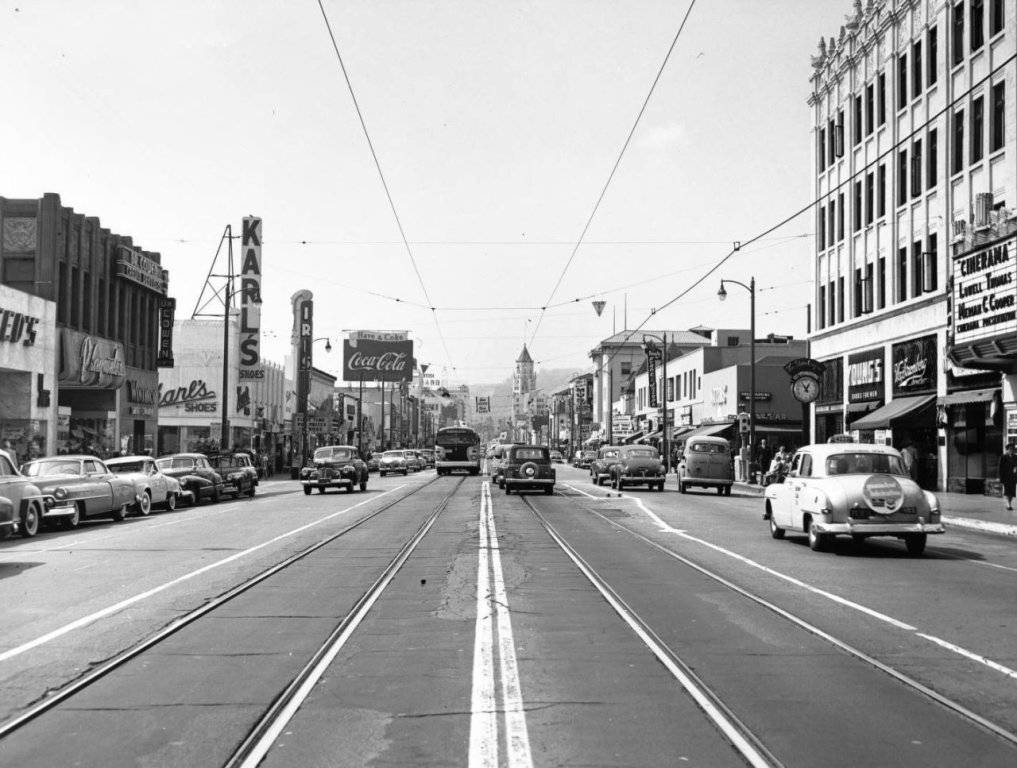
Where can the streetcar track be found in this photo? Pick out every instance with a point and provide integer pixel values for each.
(104, 668)
(953, 706)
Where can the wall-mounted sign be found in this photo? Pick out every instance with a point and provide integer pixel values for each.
(167, 315)
(303, 323)
(985, 292)
(761, 397)
(377, 360)
(483, 405)
(194, 398)
(651, 372)
(866, 376)
(90, 362)
(250, 299)
(17, 328)
(141, 269)
(914, 366)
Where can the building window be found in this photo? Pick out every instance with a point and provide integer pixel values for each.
(916, 168)
(821, 239)
(822, 149)
(932, 66)
(902, 177)
(856, 309)
(62, 291)
(831, 148)
(821, 308)
(857, 217)
(957, 159)
(996, 19)
(870, 108)
(881, 98)
(881, 293)
(857, 132)
(958, 33)
(870, 208)
(75, 319)
(867, 289)
(832, 303)
(931, 168)
(840, 216)
(102, 310)
(902, 81)
(977, 128)
(998, 136)
(916, 68)
(977, 24)
(830, 231)
(932, 261)
(86, 302)
(902, 274)
(840, 133)
(882, 190)
(626, 368)
(840, 299)
(916, 268)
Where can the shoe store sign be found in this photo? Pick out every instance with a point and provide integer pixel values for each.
(985, 292)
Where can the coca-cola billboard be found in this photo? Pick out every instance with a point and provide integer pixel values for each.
(374, 360)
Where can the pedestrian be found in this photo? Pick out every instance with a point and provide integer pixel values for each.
(910, 456)
(1008, 473)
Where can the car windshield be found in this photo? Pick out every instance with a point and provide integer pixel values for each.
(861, 463)
(335, 454)
(121, 467)
(53, 467)
(175, 462)
(644, 453)
(707, 448)
(530, 453)
(225, 462)
(392, 455)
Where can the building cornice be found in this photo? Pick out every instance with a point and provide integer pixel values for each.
(868, 319)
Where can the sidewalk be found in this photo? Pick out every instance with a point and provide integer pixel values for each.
(987, 514)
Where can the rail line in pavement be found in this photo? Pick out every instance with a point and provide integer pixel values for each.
(119, 660)
(662, 652)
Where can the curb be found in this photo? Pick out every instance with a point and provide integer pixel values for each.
(985, 526)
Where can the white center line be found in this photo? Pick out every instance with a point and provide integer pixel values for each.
(111, 609)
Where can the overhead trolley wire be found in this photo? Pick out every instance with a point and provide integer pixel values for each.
(384, 183)
(614, 168)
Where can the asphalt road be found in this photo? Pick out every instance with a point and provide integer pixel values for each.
(586, 628)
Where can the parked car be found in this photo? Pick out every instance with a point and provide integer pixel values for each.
(637, 465)
(198, 479)
(528, 468)
(393, 462)
(236, 479)
(414, 461)
(336, 466)
(372, 462)
(853, 489)
(496, 464)
(28, 501)
(706, 462)
(428, 454)
(8, 517)
(152, 485)
(586, 457)
(77, 487)
(244, 462)
(557, 457)
(600, 467)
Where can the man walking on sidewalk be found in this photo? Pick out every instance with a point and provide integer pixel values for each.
(1008, 473)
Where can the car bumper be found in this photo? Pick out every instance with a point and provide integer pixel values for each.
(457, 464)
(536, 482)
(877, 529)
(705, 481)
(642, 478)
(332, 482)
(59, 509)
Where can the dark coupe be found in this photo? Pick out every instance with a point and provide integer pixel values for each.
(198, 480)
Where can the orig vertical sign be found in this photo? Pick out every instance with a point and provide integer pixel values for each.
(305, 359)
(250, 300)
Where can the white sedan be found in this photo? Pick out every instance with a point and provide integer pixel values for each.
(150, 483)
(851, 489)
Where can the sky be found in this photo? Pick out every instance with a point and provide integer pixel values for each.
(496, 124)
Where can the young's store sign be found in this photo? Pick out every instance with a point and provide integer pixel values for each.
(985, 292)
(866, 376)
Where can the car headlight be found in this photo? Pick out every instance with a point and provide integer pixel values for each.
(60, 493)
(235, 476)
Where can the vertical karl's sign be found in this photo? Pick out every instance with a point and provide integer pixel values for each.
(250, 300)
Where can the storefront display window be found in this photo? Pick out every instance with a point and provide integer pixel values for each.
(25, 439)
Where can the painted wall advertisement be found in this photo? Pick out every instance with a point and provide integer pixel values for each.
(866, 376)
(378, 356)
(914, 366)
(985, 292)
(250, 301)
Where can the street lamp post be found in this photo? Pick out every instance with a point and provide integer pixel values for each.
(306, 437)
(722, 294)
(663, 400)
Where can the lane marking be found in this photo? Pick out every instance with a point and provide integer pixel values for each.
(580, 490)
(483, 718)
(664, 527)
(493, 614)
(109, 610)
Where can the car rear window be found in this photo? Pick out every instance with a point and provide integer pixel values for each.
(863, 463)
(530, 453)
(644, 453)
(707, 448)
(177, 463)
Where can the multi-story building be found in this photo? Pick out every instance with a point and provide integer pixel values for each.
(108, 297)
(913, 136)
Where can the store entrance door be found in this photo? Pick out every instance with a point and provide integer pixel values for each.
(918, 429)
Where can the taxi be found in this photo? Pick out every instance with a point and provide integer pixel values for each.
(842, 489)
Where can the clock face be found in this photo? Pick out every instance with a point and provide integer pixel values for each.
(805, 389)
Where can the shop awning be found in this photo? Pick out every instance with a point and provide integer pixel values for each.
(651, 436)
(707, 429)
(781, 429)
(681, 431)
(895, 409)
(631, 438)
(970, 396)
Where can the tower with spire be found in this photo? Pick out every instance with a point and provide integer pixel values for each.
(524, 380)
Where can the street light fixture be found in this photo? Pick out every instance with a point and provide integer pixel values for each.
(722, 294)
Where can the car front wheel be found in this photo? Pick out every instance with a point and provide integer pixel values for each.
(817, 541)
(171, 501)
(307, 490)
(775, 530)
(144, 505)
(915, 542)
(30, 521)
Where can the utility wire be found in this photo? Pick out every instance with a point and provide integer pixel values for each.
(384, 184)
(614, 168)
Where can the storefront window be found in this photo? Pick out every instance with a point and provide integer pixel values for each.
(24, 439)
(92, 436)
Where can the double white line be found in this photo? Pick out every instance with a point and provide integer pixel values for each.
(494, 638)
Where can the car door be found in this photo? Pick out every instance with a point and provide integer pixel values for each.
(782, 502)
(796, 482)
(156, 481)
(98, 488)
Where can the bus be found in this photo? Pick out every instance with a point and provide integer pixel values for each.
(457, 448)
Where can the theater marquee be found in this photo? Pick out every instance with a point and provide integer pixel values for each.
(985, 292)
